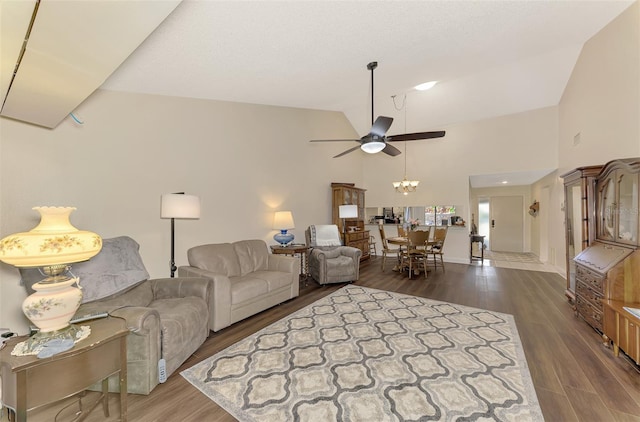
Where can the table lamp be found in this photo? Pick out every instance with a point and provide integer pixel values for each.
(51, 246)
(283, 221)
(178, 205)
(347, 211)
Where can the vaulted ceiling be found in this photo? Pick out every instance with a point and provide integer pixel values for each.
(490, 57)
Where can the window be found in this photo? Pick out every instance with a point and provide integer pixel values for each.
(439, 215)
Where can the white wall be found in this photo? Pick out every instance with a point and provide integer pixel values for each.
(518, 142)
(244, 161)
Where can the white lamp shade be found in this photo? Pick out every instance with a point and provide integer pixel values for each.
(283, 220)
(348, 211)
(178, 205)
(54, 241)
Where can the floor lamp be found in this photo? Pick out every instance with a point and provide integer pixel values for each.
(178, 205)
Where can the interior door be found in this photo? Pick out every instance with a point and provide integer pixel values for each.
(507, 223)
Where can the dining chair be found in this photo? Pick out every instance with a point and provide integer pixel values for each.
(414, 258)
(436, 246)
(385, 247)
(401, 231)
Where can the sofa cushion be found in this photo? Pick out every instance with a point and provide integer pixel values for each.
(253, 255)
(247, 288)
(115, 269)
(342, 265)
(274, 279)
(218, 258)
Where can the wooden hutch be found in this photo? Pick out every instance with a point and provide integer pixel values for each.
(607, 273)
(579, 222)
(352, 229)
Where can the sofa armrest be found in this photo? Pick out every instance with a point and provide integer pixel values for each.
(219, 296)
(140, 320)
(284, 263)
(351, 252)
(166, 288)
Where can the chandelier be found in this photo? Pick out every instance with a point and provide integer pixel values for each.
(405, 186)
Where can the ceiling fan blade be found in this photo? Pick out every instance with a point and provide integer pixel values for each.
(391, 150)
(381, 125)
(335, 140)
(415, 136)
(346, 152)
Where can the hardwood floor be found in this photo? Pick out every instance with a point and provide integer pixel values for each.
(576, 378)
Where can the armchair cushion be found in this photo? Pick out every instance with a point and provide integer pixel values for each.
(324, 235)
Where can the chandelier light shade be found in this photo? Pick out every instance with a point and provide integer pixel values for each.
(283, 221)
(406, 186)
(178, 205)
(52, 245)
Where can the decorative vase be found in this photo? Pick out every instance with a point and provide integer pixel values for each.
(53, 304)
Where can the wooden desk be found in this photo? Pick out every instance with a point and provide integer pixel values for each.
(293, 250)
(29, 382)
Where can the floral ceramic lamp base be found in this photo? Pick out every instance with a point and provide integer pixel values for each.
(50, 308)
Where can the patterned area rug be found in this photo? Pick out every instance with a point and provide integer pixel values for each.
(361, 354)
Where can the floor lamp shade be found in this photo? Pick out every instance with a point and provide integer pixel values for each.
(348, 211)
(283, 221)
(178, 205)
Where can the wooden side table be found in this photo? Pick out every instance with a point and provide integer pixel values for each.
(476, 238)
(293, 250)
(29, 382)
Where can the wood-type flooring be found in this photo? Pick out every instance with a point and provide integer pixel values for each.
(576, 377)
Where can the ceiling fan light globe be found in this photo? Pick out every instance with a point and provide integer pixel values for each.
(372, 147)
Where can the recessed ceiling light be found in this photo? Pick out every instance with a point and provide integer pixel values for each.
(504, 182)
(425, 86)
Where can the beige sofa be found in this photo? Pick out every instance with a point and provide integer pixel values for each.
(247, 278)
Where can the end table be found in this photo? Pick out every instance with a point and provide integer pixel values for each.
(29, 382)
(293, 250)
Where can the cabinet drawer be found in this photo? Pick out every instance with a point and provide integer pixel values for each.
(591, 278)
(587, 293)
(590, 313)
(355, 236)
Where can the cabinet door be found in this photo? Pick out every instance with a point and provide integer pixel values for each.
(627, 208)
(606, 222)
(573, 228)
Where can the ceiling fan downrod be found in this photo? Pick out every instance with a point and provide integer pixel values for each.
(371, 66)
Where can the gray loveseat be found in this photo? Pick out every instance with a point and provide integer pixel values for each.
(247, 278)
(167, 317)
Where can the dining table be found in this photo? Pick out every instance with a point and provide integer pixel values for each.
(402, 241)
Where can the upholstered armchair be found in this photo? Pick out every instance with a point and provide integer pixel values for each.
(329, 260)
(168, 318)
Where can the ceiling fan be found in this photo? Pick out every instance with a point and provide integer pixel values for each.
(376, 140)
